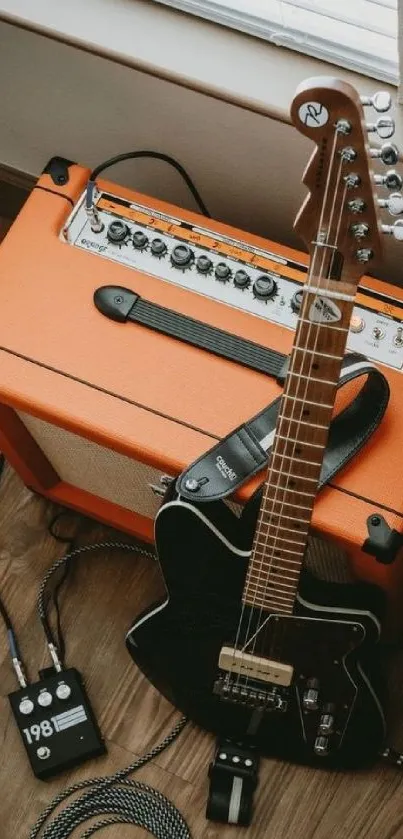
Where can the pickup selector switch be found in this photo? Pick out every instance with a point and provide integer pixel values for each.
(222, 272)
(264, 287)
(117, 232)
(140, 240)
(204, 264)
(158, 247)
(241, 279)
(182, 256)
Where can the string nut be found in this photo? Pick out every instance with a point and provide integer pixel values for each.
(381, 101)
(384, 127)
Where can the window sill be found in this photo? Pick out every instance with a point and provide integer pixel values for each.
(181, 48)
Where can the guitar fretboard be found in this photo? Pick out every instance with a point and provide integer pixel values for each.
(301, 435)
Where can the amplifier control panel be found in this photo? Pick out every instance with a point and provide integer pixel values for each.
(226, 270)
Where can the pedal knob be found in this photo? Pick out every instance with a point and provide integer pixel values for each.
(63, 691)
(26, 707)
(117, 231)
(264, 287)
(321, 747)
(45, 699)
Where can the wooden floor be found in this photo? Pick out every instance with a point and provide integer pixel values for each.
(103, 595)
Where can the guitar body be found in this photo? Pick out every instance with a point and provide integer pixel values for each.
(331, 639)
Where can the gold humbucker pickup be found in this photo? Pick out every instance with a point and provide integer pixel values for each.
(255, 667)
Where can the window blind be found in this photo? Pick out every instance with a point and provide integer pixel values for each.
(361, 35)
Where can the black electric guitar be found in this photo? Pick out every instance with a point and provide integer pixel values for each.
(246, 643)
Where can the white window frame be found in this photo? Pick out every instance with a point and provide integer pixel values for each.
(270, 29)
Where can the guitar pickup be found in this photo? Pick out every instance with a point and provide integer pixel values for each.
(255, 667)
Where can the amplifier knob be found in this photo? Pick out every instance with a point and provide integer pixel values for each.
(264, 287)
(222, 272)
(296, 301)
(182, 256)
(140, 240)
(241, 279)
(204, 264)
(117, 231)
(158, 247)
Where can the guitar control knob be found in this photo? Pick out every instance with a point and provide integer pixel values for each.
(241, 279)
(158, 247)
(140, 240)
(182, 256)
(326, 724)
(204, 264)
(264, 287)
(321, 746)
(222, 272)
(296, 301)
(310, 697)
(117, 231)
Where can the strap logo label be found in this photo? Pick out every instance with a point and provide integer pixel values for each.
(324, 311)
(225, 470)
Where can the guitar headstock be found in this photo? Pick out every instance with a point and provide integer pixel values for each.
(341, 211)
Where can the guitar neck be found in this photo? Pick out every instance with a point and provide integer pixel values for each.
(301, 436)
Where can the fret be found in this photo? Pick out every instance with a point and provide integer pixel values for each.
(327, 293)
(321, 354)
(284, 577)
(272, 608)
(311, 378)
(300, 442)
(289, 541)
(289, 529)
(301, 422)
(286, 516)
(295, 460)
(289, 504)
(282, 598)
(283, 550)
(325, 325)
(305, 401)
(294, 491)
(287, 595)
(283, 587)
(293, 475)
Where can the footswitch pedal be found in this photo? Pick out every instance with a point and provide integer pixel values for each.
(56, 723)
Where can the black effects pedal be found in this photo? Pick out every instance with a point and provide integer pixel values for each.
(56, 723)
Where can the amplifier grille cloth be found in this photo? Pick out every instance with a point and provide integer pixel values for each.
(127, 483)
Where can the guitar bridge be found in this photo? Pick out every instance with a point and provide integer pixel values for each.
(244, 692)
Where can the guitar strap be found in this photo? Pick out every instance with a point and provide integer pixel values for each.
(246, 450)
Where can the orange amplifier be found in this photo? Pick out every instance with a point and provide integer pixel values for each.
(98, 416)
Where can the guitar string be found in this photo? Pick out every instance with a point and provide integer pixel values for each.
(330, 269)
(316, 330)
(314, 257)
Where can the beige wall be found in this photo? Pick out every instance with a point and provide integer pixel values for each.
(56, 99)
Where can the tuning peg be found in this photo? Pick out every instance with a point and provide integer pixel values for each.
(381, 101)
(384, 127)
(395, 230)
(388, 153)
(391, 180)
(394, 204)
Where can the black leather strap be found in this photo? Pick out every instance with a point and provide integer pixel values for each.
(245, 451)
